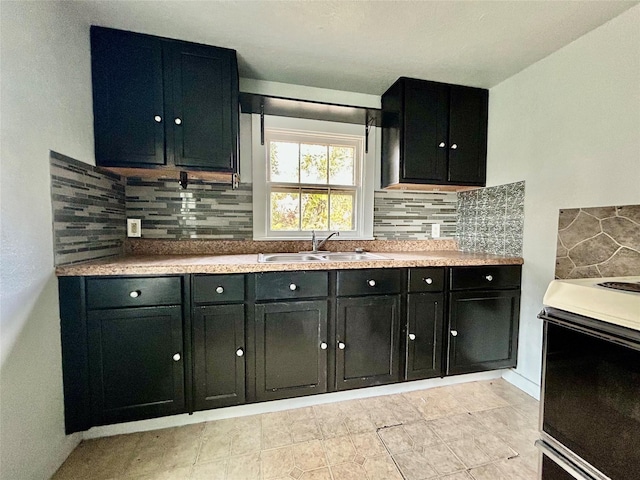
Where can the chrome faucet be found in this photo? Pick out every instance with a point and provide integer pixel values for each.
(316, 244)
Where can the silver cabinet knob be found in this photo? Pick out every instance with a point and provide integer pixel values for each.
(412, 336)
(157, 118)
(323, 346)
(341, 345)
(219, 290)
(293, 287)
(442, 145)
(428, 280)
(489, 278)
(134, 294)
(239, 352)
(454, 333)
(178, 121)
(176, 357)
(454, 146)
(372, 283)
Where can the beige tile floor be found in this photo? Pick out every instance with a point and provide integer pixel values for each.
(480, 430)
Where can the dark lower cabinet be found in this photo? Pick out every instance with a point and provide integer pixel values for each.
(291, 349)
(367, 340)
(218, 356)
(424, 335)
(136, 366)
(483, 330)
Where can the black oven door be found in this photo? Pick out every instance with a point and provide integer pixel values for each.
(591, 392)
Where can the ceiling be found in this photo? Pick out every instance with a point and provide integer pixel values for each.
(363, 46)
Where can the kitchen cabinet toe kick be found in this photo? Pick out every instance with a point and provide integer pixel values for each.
(138, 347)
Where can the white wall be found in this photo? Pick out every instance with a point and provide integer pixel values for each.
(45, 104)
(569, 126)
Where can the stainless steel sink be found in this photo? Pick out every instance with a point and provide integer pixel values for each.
(308, 257)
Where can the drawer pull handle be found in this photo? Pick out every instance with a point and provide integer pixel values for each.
(239, 352)
(372, 283)
(428, 280)
(293, 287)
(176, 357)
(323, 346)
(178, 121)
(454, 333)
(219, 290)
(412, 336)
(489, 278)
(157, 118)
(135, 294)
(442, 145)
(341, 345)
(454, 146)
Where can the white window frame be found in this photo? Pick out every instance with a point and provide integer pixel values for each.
(364, 174)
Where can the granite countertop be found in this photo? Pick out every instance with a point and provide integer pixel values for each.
(247, 263)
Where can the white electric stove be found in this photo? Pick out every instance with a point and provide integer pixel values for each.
(590, 415)
(614, 300)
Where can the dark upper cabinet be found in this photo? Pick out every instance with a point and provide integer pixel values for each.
(136, 365)
(434, 134)
(160, 102)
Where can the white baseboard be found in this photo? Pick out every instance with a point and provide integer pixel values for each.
(278, 405)
(523, 383)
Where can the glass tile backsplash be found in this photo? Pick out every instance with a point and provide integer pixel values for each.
(89, 219)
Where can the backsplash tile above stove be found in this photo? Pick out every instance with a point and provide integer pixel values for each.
(491, 220)
(598, 242)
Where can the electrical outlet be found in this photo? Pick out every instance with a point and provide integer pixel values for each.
(435, 230)
(134, 227)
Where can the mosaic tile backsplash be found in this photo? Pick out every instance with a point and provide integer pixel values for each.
(491, 220)
(89, 219)
(204, 210)
(402, 215)
(598, 242)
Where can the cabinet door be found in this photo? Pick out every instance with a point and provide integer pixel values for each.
(468, 132)
(135, 363)
(218, 356)
(425, 124)
(367, 337)
(424, 335)
(483, 330)
(127, 99)
(203, 105)
(291, 349)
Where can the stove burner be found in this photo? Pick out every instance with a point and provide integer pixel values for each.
(625, 286)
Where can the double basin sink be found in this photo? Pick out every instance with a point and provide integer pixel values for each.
(311, 257)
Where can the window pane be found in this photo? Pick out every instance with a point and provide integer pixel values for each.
(283, 159)
(315, 211)
(341, 161)
(285, 211)
(313, 163)
(342, 211)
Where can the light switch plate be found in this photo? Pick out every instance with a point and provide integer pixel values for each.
(435, 230)
(134, 227)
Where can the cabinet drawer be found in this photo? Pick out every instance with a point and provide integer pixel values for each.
(485, 277)
(426, 280)
(372, 281)
(133, 292)
(286, 285)
(218, 288)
